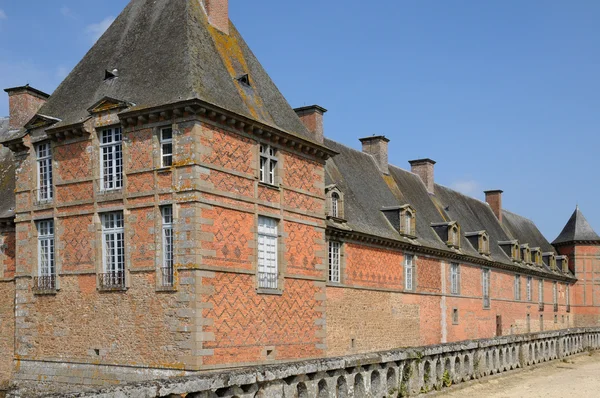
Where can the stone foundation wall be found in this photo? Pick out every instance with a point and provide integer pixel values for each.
(391, 373)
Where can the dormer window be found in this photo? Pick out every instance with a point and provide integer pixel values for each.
(335, 203)
(536, 256)
(512, 249)
(480, 241)
(562, 263)
(402, 218)
(526, 254)
(449, 232)
(550, 259)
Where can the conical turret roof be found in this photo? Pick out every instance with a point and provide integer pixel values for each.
(165, 51)
(577, 230)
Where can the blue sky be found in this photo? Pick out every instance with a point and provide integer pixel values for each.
(502, 94)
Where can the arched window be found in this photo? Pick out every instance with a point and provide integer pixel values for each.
(408, 218)
(454, 236)
(485, 244)
(335, 199)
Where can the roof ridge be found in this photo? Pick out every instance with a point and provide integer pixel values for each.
(462, 194)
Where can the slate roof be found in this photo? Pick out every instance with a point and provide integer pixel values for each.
(166, 52)
(7, 176)
(577, 229)
(366, 191)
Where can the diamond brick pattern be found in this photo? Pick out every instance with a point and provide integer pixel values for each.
(229, 151)
(140, 150)
(77, 253)
(73, 160)
(232, 232)
(300, 249)
(74, 192)
(142, 246)
(268, 195)
(230, 183)
(302, 174)
(140, 182)
(244, 320)
(297, 200)
(367, 266)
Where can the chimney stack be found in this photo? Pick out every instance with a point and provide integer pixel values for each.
(218, 14)
(424, 169)
(377, 146)
(494, 199)
(312, 118)
(23, 104)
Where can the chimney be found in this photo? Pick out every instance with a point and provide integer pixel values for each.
(312, 118)
(218, 14)
(23, 104)
(424, 169)
(494, 199)
(377, 146)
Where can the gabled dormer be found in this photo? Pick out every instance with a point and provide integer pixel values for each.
(335, 203)
(480, 240)
(536, 256)
(107, 104)
(562, 263)
(525, 253)
(550, 259)
(449, 233)
(403, 219)
(512, 249)
(39, 121)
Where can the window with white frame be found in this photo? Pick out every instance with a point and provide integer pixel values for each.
(409, 272)
(335, 202)
(113, 243)
(167, 244)
(46, 265)
(555, 293)
(267, 253)
(111, 157)
(166, 147)
(268, 164)
(541, 291)
(45, 191)
(485, 282)
(529, 288)
(517, 287)
(334, 261)
(454, 278)
(567, 295)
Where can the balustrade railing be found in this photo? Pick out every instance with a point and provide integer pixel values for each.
(112, 280)
(46, 283)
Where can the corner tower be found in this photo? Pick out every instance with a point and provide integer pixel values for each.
(581, 245)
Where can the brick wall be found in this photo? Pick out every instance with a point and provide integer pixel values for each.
(7, 331)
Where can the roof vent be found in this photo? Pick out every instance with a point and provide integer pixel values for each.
(244, 79)
(111, 74)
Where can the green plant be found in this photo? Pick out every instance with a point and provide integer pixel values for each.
(446, 379)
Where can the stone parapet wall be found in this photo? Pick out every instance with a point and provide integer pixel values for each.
(393, 373)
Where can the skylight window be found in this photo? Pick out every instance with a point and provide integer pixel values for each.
(111, 74)
(244, 79)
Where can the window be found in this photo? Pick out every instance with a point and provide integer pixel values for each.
(267, 253)
(334, 261)
(528, 323)
(111, 172)
(409, 272)
(166, 147)
(408, 218)
(454, 236)
(541, 291)
(46, 279)
(45, 192)
(454, 278)
(529, 288)
(268, 164)
(567, 297)
(555, 295)
(485, 244)
(167, 241)
(455, 316)
(486, 287)
(517, 287)
(335, 199)
(114, 250)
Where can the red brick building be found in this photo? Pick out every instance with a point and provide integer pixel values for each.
(166, 211)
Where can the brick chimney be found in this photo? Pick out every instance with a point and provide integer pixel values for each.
(312, 118)
(23, 104)
(377, 146)
(424, 169)
(218, 14)
(494, 199)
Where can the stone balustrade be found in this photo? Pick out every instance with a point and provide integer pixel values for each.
(397, 373)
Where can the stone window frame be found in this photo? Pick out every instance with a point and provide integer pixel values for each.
(564, 264)
(162, 142)
(551, 260)
(483, 241)
(270, 156)
(407, 212)
(455, 316)
(517, 287)
(529, 288)
(280, 245)
(486, 276)
(413, 268)
(453, 235)
(540, 291)
(100, 253)
(455, 287)
(536, 256)
(516, 252)
(341, 264)
(101, 182)
(35, 271)
(161, 226)
(329, 193)
(48, 187)
(525, 253)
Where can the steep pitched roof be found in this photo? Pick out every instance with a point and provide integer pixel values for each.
(7, 176)
(525, 231)
(165, 51)
(577, 230)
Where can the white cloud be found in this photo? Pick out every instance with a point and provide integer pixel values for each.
(467, 187)
(97, 29)
(67, 12)
(2, 14)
